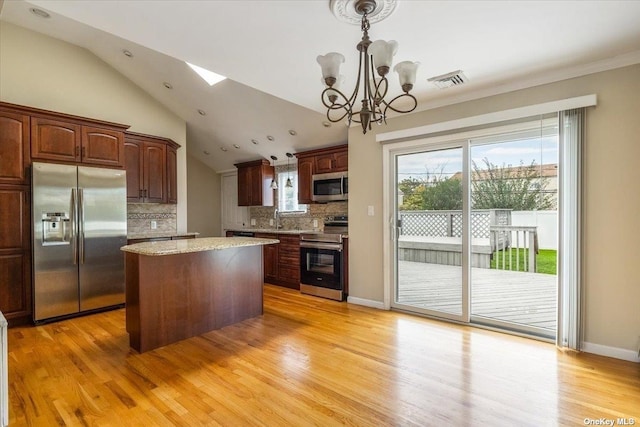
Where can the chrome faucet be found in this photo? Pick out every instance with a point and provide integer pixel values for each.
(276, 216)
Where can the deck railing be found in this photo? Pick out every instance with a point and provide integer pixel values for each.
(515, 247)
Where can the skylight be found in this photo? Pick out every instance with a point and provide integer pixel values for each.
(208, 76)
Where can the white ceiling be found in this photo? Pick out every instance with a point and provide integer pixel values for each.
(267, 49)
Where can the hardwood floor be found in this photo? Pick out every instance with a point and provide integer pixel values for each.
(310, 361)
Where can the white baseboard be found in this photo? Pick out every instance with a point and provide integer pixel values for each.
(615, 352)
(366, 302)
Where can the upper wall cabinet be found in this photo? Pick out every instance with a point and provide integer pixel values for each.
(324, 160)
(254, 183)
(14, 148)
(151, 164)
(73, 141)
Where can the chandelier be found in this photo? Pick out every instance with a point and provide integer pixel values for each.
(375, 57)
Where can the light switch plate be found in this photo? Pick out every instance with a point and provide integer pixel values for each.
(253, 221)
(370, 210)
(271, 221)
(315, 223)
(154, 224)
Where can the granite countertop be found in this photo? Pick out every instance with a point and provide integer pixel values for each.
(274, 231)
(161, 234)
(172, 247)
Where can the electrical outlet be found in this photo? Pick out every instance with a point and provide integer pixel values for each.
(315, 223)
(154, 224)
(253, 221)
(271, 222)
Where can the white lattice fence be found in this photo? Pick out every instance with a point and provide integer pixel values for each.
(449, 223)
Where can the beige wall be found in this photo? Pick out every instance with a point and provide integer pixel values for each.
(43, 72)
(204, 199)
(611, 197)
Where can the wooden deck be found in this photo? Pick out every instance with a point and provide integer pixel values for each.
(509, 296)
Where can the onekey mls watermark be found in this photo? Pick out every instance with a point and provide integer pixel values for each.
(609, 421)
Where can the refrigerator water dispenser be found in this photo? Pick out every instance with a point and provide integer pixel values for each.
(55, 229)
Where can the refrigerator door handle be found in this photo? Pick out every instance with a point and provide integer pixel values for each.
(81, 224)
(74, 226)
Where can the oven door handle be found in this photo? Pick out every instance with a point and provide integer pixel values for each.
(317, 245)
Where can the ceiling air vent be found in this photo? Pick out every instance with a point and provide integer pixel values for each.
(454, 78)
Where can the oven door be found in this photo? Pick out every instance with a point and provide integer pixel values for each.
(321, 265)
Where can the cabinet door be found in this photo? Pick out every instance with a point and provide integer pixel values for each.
(270, 259)
(133, 165)
(14, 148)
(244, 186)
(324, 163)
(289, 261)
(172, 175)
(102, 147)
(15, 254)
(55, 140)
(154, 172)
(270, 263)
(305, 171)
(341, 163)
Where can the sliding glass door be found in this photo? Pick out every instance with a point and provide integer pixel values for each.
(514, 227)
(429, 253)
(475, 227)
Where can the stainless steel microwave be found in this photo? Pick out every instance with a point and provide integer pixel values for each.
(330, 187)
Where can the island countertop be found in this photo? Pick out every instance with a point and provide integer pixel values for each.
(172, 247)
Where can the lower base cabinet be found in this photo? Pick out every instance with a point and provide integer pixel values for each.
(282, 261)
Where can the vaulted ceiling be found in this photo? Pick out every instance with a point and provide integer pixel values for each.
(268, 50)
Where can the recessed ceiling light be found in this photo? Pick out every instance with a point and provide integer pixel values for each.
(236, 146)
(39, 12)
(270, 138)
(254, 142)
(292, 132)
(326, 124)
(206, 152)
(167, 85)
(127, 53)
(223, 148)
(208, 76)
(202, 112)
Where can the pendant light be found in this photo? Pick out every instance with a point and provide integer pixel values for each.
(274, 184)
(289, 184)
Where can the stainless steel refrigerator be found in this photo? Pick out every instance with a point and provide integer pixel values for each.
(79, 225)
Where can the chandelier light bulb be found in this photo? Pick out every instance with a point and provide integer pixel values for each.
(382, 53)
(330, 64)
(407, 74)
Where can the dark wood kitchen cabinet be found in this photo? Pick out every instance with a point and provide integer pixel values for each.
(15, 254)
(323, 160)
(282, 261)
(14, 148)
(150, 163)
(305, 171)
(254, 183)
(15, 216)
(172, 173)
(72, 141)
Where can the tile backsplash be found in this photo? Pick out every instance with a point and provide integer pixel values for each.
(140, 215)
(298, 221)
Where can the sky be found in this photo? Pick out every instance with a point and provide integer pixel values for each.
(448, 162)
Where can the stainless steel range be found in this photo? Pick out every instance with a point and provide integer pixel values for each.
(322, 261)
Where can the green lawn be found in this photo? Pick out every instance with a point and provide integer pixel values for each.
(546, 260)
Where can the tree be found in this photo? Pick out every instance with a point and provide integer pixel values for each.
(520, 188)
(435, 193)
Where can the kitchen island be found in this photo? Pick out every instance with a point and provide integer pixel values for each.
(178, 289)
